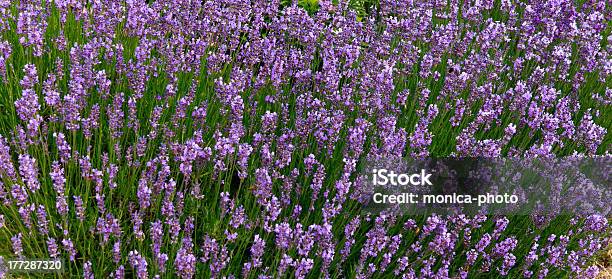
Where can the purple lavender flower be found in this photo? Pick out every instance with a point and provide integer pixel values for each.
(116, 116)
(6, 166)
(80, 209)
(52, 248)
(87, 270)
(502, 248)
(185, 263)
(119, 273)
(596, 222)
(43, 222)
(51, 92)
(303, 267)
(139, 263)
(283, 235)
(61, 204)
(19, 194)
(257, 251)
(69, 248)
(264, 184)
(157, 234)
(485, 240)
(144, 193)
(25, 214)
(63, 147)
(17, 245)
(57, 176)
(162, 259)
(27, 106)
(117, 251)
(29, 172)
(31, 26)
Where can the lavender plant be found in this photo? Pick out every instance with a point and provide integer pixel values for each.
(222, 138)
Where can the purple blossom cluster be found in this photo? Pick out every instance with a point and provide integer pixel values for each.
(223, 138)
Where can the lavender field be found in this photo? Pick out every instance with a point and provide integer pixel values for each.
(225, 138)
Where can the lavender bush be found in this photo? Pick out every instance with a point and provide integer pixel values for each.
(222, 138)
